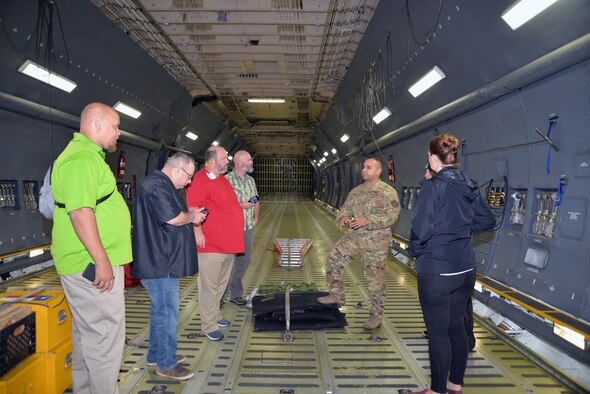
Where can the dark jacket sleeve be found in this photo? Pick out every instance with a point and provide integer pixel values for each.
(483, 217)
(422, 219)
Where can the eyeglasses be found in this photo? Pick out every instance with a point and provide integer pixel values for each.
(190, 176)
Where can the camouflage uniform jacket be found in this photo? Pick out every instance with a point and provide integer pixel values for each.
(379, 203)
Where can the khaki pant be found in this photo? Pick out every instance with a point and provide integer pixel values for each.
(98, 333)
(214, 273)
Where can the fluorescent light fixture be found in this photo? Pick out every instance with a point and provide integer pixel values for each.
(333, 151)
(344, 137)
(230, 158)
(522, 11)
(44, 75)
(215, 143)
(191, 135)
(326, 153)
(266, 100)
(127, 110)
(427, 81)
(381, 115)
(36, 252)
(571, 336)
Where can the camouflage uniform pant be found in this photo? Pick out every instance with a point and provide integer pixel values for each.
(372, 249)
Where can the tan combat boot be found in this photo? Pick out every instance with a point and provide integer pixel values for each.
(331, 299)
(373, 322)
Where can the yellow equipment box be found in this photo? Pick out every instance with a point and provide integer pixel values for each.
(53, 316)
(59, 368)
(30, 376)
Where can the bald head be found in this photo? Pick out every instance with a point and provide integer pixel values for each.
(100, 123)
(371, 170)
(243, 162)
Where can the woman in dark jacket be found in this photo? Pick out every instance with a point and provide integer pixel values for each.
(449, 211)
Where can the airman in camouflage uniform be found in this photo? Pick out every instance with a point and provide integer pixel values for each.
(369, 211)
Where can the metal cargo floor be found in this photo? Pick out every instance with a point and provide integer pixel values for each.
(349, 360)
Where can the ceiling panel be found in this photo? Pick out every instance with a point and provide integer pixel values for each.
(298, 50)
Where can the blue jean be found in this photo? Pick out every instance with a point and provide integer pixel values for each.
(444, 303)
(164, 294)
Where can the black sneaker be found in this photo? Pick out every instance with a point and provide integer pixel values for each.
(239, 301)
(176, 373)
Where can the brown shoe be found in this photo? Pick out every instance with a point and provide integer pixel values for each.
(373, 322)
(178, 373)
(331, 299)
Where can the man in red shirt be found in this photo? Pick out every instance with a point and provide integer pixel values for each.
(218, 238)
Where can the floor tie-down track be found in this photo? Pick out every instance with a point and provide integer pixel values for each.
(347, 360)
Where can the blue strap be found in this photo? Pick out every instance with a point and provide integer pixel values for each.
(549, 152)
(560, 188)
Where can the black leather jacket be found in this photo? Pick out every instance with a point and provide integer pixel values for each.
(449, 211)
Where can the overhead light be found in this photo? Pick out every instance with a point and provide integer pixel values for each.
(344, 137)
(127, 110)
(36, 252)
(230, 158)
(326, 153)
(44, 75)
(334, 151)
(266, 100)
(522, 11)
(427, 81)
(191, 135)
(571, 336)
(215, 143)
(384, 113)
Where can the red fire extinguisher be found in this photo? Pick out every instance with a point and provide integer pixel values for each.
(391, 171)
(122, 163)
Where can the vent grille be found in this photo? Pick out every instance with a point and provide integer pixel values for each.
(292, 57)
(288, 16)
(202, 38)
(198, 27)
(292, 39)
(291, 29)
(184, 4)
(286, 4)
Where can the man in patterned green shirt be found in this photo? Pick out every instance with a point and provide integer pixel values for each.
(369, 212)
(245, 189)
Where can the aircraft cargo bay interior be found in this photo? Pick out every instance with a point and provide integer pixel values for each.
(344, 360)
(295, 196)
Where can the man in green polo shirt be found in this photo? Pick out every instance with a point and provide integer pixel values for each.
(92, 225)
